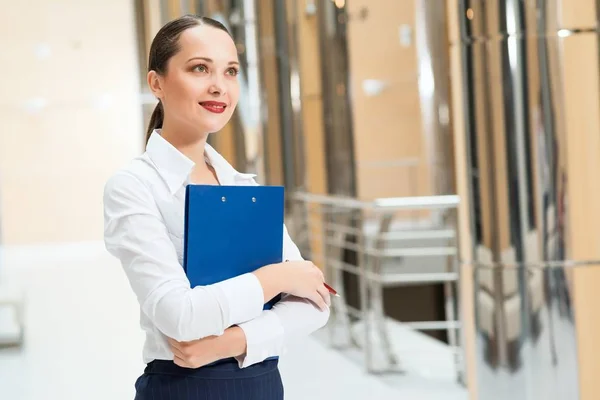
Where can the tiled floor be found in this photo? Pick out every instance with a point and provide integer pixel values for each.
(83, 341)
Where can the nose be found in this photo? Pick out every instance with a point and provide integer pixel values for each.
(217, 86)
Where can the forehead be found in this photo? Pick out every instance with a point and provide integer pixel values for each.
(207, 41)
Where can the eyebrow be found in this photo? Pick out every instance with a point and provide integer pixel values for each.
(211, 61)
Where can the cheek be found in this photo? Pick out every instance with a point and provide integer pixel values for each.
(183, 88)
(196, 87)
(234, 92)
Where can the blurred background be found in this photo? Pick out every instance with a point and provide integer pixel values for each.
(440, 159)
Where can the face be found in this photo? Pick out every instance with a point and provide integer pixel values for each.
(200, 88)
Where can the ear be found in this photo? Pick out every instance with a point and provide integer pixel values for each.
(155, 83)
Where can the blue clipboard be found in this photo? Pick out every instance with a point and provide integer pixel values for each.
(231, 230)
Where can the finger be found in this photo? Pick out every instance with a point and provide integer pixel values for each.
(320, 274)
(181, 362)
(176, 347)
(177, 352)
(174, 343)
(318, 301)
(324, 294)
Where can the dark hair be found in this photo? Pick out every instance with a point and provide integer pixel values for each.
(164, 46)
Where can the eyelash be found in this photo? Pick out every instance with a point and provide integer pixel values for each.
(233, 71)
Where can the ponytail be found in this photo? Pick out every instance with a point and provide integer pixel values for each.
(156, 120)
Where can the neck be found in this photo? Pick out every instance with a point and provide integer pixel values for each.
(191, 144)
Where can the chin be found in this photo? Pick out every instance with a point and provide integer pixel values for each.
(215, 126)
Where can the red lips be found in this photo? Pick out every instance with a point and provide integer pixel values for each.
(216, 107)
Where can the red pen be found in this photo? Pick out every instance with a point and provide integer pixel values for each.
(331, 290)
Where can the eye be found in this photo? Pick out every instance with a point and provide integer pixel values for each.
(200, 68)
(233, 71)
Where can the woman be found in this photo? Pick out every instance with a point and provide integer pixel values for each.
(209, 342)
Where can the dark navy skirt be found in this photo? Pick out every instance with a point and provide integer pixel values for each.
(163, 380)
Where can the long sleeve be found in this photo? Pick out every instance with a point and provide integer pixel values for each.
(136, 234)
(292, 317)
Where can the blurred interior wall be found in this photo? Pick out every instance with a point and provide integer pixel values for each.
(277, 37)
(464, 226)
(397, 58)
(70, 114)
(271, 76)
(383, 88)
(334, 45)
(311, 97)
(526, 100)
(361, 81)
(395, 89)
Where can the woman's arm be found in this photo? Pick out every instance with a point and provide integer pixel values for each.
(136, 234)
(274, 329)
(269, 334)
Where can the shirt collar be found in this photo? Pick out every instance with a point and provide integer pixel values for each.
(175, 167)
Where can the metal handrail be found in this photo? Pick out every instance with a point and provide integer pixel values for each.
(340, 218)
(388, 204)
(418, 202)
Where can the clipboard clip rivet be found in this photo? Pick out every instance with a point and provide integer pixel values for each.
(223, 199)
(254, 199)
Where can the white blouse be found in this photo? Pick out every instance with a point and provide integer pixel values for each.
(144, 223)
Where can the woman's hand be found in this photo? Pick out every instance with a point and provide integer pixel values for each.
(201, 352)
(298, 278)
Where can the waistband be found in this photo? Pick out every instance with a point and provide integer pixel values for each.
(228, 369)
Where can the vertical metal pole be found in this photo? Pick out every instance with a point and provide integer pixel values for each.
(451, 289)
(364, 292)
(376, 286)
(324, 219)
